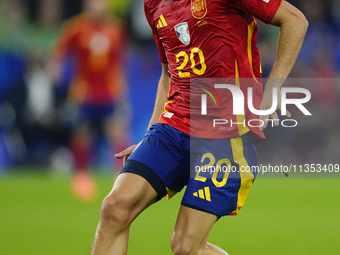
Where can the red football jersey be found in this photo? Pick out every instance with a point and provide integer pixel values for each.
(209, 39)
(97, 47)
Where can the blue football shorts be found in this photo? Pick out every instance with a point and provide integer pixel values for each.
(95, 115)
(218, 173)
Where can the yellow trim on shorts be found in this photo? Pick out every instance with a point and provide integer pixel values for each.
(247, 178)
(170, 193)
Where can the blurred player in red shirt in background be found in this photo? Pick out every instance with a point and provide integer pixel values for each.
(95, 41)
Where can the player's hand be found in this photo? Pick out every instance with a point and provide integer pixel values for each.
(126, 153)
(267, 102)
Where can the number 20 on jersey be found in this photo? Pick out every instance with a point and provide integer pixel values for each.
(183, 56)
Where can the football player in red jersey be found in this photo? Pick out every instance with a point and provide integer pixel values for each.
(96, 41)
(199, 39)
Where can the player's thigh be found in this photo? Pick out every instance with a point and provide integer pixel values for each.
(161, 160)
(192, 227)
(81, 127)
(130, 194)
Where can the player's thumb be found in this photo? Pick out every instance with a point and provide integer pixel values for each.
(125, 152)
(263, 121)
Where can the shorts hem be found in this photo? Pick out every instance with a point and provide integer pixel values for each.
(138, 168)
(200, 209)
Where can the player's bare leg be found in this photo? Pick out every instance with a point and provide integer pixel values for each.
(191, 233)
(115, 130)
(130, 195)
(82, 183)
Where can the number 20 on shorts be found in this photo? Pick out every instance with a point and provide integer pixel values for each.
(183, 55)
(215, 169)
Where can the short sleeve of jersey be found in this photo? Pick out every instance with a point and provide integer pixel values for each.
(263, 10)
(162, 55)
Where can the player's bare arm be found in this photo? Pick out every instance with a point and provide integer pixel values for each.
(161, 99)
(162, 95)
(293, 27)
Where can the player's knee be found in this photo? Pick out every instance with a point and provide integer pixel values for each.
(182, 245)
(117, 209)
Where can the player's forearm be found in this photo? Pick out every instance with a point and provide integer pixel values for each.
(161, 97)
(293, 26)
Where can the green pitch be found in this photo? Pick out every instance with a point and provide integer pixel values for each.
(39, 215)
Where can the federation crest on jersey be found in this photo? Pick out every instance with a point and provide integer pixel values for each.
(198, 8)
(182, 32)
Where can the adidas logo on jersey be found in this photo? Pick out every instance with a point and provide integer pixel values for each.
(203, 194)
(161, 22)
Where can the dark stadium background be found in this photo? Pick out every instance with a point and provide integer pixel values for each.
(39, 214)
